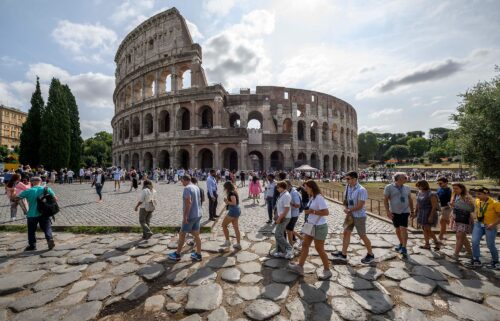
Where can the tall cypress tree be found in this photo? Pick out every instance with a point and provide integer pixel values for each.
(30, 133)
(56, 131)
(75, 135)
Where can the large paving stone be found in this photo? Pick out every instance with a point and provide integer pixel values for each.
(154, 303)
(472, 311)
(81, 285)
(57, 281)
(192, 317)
(284, 276)
(97, 267)
(61, 269)
(402, 313)
(209, 246)
(416, 301)
(101, 291)
(311, 294)
(449, 268)
(396, 274)
(199, 301)
(481, 286)
(323, 312)
(126, 283)
(125, 268)
(459, 290)
(275, 292)
(373, 301)
(299, 310)
(231, 275)
(15, 282)
(428, 272)
(250, 267)
(251, 278)
(261, 248)
(370, 273)
(262, 310)
(82, 259)
(116, 260)
(276, 263)
(202, 276)
(138, 291)
(40, 314)
(354, 282)
(331, 288)
(152, 271)
(419, 285)
(218, 315)
(493, 301)
(248, 293)
(245, 256)
(178, 293)
(256, 237)
(84, 312)
(72, 299)
(221, 262)
(422, 260)
(54, 253)
(138, 252)
(178, 276)
(35, 300)
(348, 309)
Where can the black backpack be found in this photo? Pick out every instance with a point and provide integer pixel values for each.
(47, 204)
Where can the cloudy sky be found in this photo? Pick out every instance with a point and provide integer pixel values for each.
(401, 64)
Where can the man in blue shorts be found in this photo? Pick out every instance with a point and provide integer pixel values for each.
(192, 212)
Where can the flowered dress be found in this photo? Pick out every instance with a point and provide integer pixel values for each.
(463, 205)
(424, 202)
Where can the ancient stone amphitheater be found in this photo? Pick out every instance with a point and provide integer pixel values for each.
(168, 115)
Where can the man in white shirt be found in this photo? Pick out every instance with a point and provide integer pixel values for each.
(269, 195)
(70, 174)
(283, 248)
(81, 174)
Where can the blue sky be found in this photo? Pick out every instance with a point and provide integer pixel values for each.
(401, 64)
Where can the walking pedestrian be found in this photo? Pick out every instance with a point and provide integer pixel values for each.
(134, 180)
(462, 206)
(232, 202)
(243, 178)
(254, 189)
(146, 206)
(399, 205)
(192, 212)
(117, 175)
(212, 195)
(81, 174)
(295, 205)
(487, 218)
(99, 180)
(444, 194)
(355, 196)
(34, 217)
(283, 248)
(427, 213)
(269, 194)
(316, 230)
(10, 192)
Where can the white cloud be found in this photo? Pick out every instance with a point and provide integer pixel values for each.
(218, 7)
(9, 61)
(385, 112)
(375, 129)
(86, 42)
(443, 113)
(94, 126)
(194, 31)
(236, 56)
(7, 95)
(130, 10)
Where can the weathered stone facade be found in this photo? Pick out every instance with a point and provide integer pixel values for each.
(163, 120)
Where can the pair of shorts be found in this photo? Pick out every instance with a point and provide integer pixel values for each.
(234, 211)
(360, 224)
(320, 232)
(445, 213)
(291, 225)
(400, 220)
(193, 225)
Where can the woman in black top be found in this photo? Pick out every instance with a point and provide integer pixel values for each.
(233, 206)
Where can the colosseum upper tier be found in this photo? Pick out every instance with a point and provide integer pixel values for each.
(167, 115)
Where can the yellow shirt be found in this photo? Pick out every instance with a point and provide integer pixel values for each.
(491, 212)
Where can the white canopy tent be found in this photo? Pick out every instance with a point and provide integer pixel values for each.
(306, 168)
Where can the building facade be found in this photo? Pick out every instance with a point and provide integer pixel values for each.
(167, 115)
(11, 121)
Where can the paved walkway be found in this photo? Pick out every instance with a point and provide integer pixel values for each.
(117, 278)
(79, 208)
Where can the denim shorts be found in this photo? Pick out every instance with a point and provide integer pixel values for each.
(193, 225)
(234, 211)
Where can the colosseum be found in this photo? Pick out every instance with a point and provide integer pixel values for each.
(168, 115)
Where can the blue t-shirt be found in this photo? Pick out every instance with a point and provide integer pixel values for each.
(295, 200)
(444, 195)
(31, 195)
(192, 192)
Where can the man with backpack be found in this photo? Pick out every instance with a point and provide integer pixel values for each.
(34, 217)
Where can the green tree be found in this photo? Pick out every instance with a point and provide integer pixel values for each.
(4, 153)
(478, 120)
(367, 146)
(31, 129)
(75, 135)
(55, 130)
(417, 133)
(98, 149)
(436, 153)
(417, 146)
(397, 151)
(439, 133)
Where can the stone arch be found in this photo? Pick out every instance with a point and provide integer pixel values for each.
(230, 158)
(314, 131)
(335, 163)
(256, 160)
(148, 124)
(135, 161)
(185, 79)
(326, 163)
(348, 163)
(334, 133)
(126, 161)
(183, 159)
(164, 159)
(277, 160)
(128, 96)
(205, 159)
(136, 126)
(301, 130)
(164, 122)
(342, 163)
(183, 119)
(234, 120)
(206, 117)
(126, 129)
(301, 111)
(342, 138)
(165, 81)
(150, 85)
(301, 159)
(120, 131)
(287, 126)
(121, 100)
(137, 90)
(314, 160)
(324, 132)
(255, 117)
(147, 161)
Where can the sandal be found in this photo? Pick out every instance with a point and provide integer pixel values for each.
(425, 247)
(437, 247)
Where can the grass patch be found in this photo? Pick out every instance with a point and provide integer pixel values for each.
(101, 229)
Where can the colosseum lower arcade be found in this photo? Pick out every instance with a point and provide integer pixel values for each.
(166, 114)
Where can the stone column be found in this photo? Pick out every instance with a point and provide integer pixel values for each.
(217, 108)
(194, 157)
(216, 156)
(143, 92)
(243, 155)
(194, 120)
(157, 83)
(267, 157)
(132, 95)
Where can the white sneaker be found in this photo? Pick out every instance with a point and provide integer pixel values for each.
(227, 243)
(298, 244)
(277, 254)
(13, 218)
(289, 254)
(237, 246)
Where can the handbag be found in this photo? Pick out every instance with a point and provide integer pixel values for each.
(461, 216)
(309, 228)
